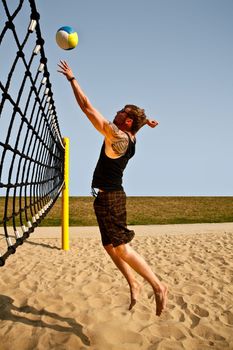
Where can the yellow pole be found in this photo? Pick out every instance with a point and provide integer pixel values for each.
(65, 198)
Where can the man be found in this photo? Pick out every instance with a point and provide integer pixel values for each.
(110, 201)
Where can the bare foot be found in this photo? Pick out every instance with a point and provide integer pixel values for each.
(134, 293)
(161, 299)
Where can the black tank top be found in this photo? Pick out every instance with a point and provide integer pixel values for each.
(109, 172)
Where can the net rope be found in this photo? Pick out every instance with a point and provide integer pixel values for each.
(31, 146)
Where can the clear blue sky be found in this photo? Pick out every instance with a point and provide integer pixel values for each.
(174, 58)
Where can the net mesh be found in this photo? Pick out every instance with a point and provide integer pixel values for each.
(31, 146)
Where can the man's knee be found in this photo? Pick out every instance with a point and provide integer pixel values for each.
(122, 250)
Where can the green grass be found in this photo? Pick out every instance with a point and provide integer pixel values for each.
(148, 211)
(151, 211)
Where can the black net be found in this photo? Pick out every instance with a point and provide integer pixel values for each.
(31, 147)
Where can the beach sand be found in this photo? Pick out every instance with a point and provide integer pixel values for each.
(77, 299)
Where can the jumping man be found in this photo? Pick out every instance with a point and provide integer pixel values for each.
(110, 201)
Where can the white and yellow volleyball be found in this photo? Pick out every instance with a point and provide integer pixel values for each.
(67, 38)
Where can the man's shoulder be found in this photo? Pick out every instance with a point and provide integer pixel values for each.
(116, 140)
(112, 131)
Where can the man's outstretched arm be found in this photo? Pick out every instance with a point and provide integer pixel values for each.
(93, 115)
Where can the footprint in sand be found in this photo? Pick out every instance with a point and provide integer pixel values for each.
(177, 332)
(197, 299)
(207, 332)
(179, 300)
(192, 312)
(199, 311)
(178, 315)
(194, 319)
(227, 318)
(193, 289)
(142, 317)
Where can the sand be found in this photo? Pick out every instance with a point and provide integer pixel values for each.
(77, 299)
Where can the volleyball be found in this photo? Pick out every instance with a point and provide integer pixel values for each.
(67, 38)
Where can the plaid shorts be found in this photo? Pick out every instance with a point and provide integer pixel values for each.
(110, 210)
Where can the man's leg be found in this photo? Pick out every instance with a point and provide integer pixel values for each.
(127, 272)
(136, 262)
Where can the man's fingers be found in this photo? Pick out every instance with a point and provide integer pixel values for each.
(64, 64)
(60, 66)
(63, 67)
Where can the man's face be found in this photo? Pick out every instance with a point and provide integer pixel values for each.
(120, 118)
(123, 121)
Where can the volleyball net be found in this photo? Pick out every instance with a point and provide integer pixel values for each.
(31, 145)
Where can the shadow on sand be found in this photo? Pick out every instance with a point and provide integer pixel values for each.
(10, 312)
(42, 245)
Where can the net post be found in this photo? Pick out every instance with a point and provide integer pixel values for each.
(65, 198)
